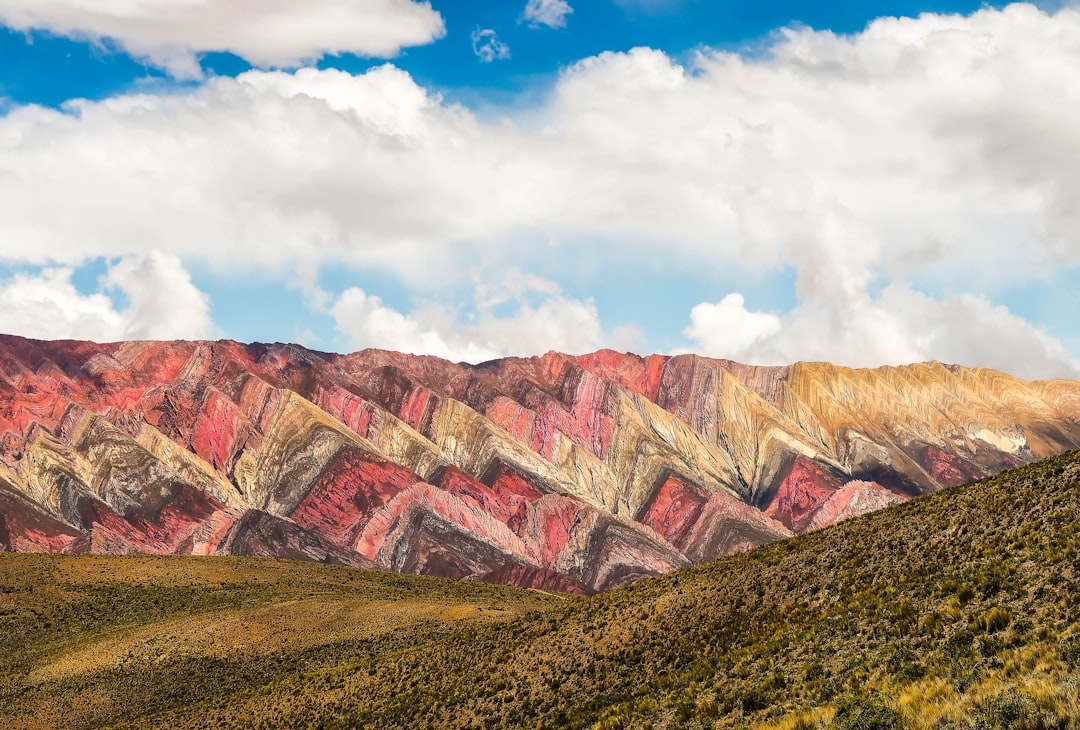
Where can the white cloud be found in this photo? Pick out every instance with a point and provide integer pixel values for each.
(726, 328)
(306, 281)
(551, 13)
(169, 33)
(900, 326)
(939, 151)
(718, 162)
(542, 319)
(487, 46)
(965, 328)
(162, 303)
(48, 306)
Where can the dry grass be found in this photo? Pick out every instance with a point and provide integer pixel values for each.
(94, 639)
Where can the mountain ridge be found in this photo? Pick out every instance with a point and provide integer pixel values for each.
(588, 471)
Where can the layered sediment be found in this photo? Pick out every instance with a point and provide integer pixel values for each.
(555, 472)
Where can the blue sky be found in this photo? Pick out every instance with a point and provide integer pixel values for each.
(868, 183)
(43, 68)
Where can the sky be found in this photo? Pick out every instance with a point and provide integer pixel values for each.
(868, 183)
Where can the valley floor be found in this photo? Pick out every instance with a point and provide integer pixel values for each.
(95, 640)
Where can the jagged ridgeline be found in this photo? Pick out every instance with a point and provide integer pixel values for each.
(575, 474)
(959, 609)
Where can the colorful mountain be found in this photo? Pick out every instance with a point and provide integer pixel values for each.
(575, 474)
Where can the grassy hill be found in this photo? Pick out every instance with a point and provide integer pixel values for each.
(961, 609)
(87, 641)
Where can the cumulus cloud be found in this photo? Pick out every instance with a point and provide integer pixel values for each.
(900, 326)
(965, 328)
(728, 329)
(912, 130)
(487, 46)
(938, 150)
(520, 314)
(48, 306)
(162, 303)
(551, 13)
(170, 33)
(840, 320)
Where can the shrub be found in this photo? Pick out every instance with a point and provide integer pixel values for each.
(1023, 626)
(1006, 709)
(755, 700)
(959, 644)
(1070, 650)
(990, 646)
(867, 713)
(905, 664)
(814, 671)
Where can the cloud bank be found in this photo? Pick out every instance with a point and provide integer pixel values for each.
(170, 33)
(902, 176)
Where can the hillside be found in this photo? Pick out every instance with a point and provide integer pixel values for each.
(91, 640)
(958, 609)
(576, 474)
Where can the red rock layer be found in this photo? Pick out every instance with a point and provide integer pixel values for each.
(559, 473)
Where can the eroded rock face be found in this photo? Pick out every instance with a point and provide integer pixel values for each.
(561, 473)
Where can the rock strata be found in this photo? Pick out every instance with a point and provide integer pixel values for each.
(563, 473)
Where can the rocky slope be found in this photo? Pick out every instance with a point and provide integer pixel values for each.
(565, 473)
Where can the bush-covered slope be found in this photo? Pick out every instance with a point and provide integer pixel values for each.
(962, 608)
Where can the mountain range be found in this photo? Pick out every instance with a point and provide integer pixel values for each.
(568, 473)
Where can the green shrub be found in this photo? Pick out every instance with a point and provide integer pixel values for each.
(1007, 709)
(867, 713)
(905, 664)
(1023, 626)
(967, 680)
(1070, 651)
(990, 646)
(959, 644)
(755, 700)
